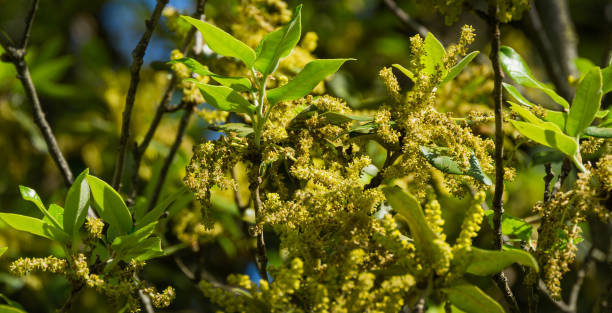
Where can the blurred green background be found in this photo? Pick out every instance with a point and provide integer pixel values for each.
(79, 56)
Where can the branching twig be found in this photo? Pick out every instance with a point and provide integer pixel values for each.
(170, 157)
(137, 57)
(547, 180)
(498, 208)
(261, 259)
(406, 19)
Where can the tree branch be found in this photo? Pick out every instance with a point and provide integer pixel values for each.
(498, 209)
(261, 258)
(170, 157)
(137, 57)
(406, 19)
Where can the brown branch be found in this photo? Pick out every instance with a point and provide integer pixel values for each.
(406, 19)
(498, 209)
(137, 57)
(547, 180)
(162, 108)
(261, 259)
(29, 22)
(565, 170)
(170, 157)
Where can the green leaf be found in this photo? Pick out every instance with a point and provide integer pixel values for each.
(438, 157)
(57, 212)
(30, 194)
(599, 132)
(488, 262)
(2, 250)
(583, 65)
(517, 95)
(409, 207)
(517, 69)
(241, 129)
(10, 309)
(77, 204)
(236, 83)
(11, 303)
(341, 118)
(147, 249)
(471, 299)
(223, 43)
(434, 54)
(455, 70)
(547, 137)
(531, 118)
(278, 44)
(110, 205)
(602, 113)
(124, 244)
(34, 226)
(556, 117)
(606, 75)
(305, 80)
(406, 72)
(586, 103)
(224, 98)
(512, 226)
(158, 210)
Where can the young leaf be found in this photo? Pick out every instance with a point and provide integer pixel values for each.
(408, 206)
(147, 249)
(10, 309)
(606, 75)
(34, 226)
(77, 204)
(225, 98)
(57, 212)
(236, 83)
(556, 117)
(599, 132)
(158, 210)
(406, 72)
(517, 95)
(30, 194)
(547, 137)
(512, 226)
(109, 205)
(223, 43)
(434, 54)
(455, 70)
(586, 103)
(488, 262)
(305, 80)
(471, 299)
(531, 118)
(515, 67)
(2, 250)
(241, 129)
(123, 244)
(438, 158)
(278, 44)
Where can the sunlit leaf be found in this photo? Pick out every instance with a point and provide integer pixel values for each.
(241, 129)
(512, 226)
(30, 194)
(439, 158)
(236, 83)
(547, 137)
(434, 54)
(278, 44)
(471, 299)
(110, 205)
(599, 132)
(455, 70)
(406, 72)
(517, 95)
(488, 262)
(34, 226)
(77, 204)
(225, 98)
(586, 103)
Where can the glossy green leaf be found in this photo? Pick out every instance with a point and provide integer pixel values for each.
(556, 117)
(2, 250)
(341, 118)
(606, 79)
(10, 309)
(160, 208)
(586, 103)
(602, 113)
(110, 205)
(547, 137)
(57, 212)
(77, 204)
(517, 95)
(409, 207)
(278, 44)
(30, 194)
(599, 132)
(305, 80)
(34, 226)
(439, 158)
(512, 226)
(223, 43)
(488, 262)
(225, 98)
(515, 67)
(531, 118)
(455, 70)
(434, 54)
(241, 129)
(406, 72)
(471, 299)
(145, 250)
(123, 244)
(236, 83)
(583, 65)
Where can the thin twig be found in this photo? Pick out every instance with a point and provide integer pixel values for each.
(170, 157)
(137, 57)
(547, 180)
(406, 19)
(498, 208)
(565, 170)
(28, 28)
(261, 259)
(162, 108)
